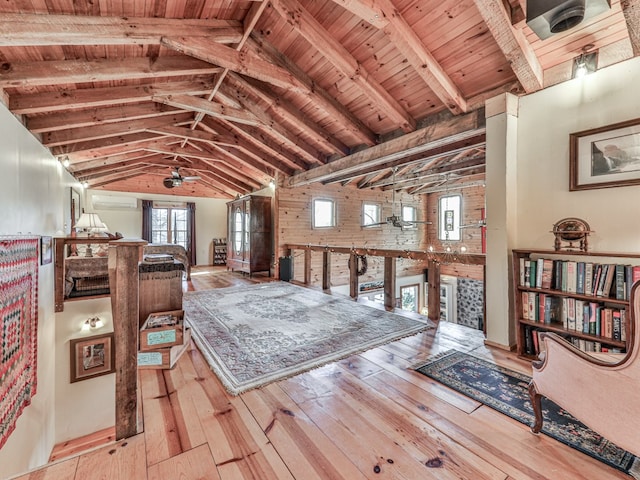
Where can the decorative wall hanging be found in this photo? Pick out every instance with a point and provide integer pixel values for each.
(92, 356)
(19, 259)
(605, 157)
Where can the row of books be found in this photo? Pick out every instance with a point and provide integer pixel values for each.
(532, 343)
(573, 314)
(584, 278)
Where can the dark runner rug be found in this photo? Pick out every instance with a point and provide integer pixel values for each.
(506, 391)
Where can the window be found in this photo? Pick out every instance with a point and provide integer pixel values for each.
(169, 225)
(323, 213)
(409, 214)
(370, 214)
(409, 298)
(449, 217)
(237, 231)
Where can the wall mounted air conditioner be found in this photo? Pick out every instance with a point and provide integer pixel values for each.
(548, 17)
(113, 202)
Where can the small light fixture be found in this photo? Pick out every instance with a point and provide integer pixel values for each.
(85, 184)
(272, 184)
(65, 161)
(92, 323)
(585, 63)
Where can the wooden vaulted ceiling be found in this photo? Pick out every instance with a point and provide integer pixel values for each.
(241, 92)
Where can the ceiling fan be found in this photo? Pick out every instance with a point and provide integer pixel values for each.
(396, 220)
(175, 180)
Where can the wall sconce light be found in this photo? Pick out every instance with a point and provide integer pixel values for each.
(584, 64)
(91, 323)
(272, 184)
(65, 161)
(85, 184)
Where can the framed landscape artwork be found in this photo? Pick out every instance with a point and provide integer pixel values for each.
(92, 357)
(605, 157)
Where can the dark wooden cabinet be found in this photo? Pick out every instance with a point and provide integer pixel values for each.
(249, 246)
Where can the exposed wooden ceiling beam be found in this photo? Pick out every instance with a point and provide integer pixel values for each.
(468, 170)
(23, 29)
(76, 135)
(245, 63)
(318, 96)
(631, 11)
(214, 109)
(408, 42)
(104, 146)
(96, 116)
(513, 44)
(437, 135)
(116, 177)
(103, 164)
(56, 72)
(307, 26)
(62, 100)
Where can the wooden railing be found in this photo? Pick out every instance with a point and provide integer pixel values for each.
(432, 260)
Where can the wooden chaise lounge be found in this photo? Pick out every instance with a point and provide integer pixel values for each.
(603, 396)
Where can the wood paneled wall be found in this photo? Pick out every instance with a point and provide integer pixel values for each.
(294, 226)
(472, 205)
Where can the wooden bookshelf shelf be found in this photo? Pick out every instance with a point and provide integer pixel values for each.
(583, 297)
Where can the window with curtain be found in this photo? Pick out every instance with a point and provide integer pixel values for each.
(170, 224)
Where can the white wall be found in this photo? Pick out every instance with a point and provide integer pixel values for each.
(545, 121)
(211, 219)
(32, 198)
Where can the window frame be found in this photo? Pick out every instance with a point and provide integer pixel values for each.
(376, 223)
(455, 234)
(414, 219)
(416, 288)
(333, 213)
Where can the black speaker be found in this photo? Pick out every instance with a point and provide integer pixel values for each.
(426, 275)
(285, 271)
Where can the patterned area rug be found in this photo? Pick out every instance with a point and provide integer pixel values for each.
(254, 335)
(506, 391)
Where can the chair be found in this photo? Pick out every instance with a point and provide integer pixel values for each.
(603, 396)
(178, 251)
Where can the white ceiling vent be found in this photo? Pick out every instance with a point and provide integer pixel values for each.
(547, 17)
(113, 202)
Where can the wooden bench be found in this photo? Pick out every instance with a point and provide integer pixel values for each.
(604, 396)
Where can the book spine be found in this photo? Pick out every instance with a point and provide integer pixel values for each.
(588, 278)
(580, 267)
(620, 290)
(539, 271)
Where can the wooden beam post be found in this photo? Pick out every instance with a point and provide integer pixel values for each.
(124, 256)
(389, 282)
(353, 276)
(433, 279)
(326, 270)
(307, 267)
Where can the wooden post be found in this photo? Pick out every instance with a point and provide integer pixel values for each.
(307, 266)
(389, 282)
(326, 270)
(353, 276)
(434, 290)
(124, 256)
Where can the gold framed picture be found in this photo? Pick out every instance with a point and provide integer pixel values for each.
(92, 356)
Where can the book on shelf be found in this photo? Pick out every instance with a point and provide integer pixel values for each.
(533, 266)
(547, 273)
(616, 325)
(532, 303)
(572, 276)
(525, 305)
(579, 313)
(620, 282)
(608, 282)
(527, 273)
(580, 267)
(588, 278)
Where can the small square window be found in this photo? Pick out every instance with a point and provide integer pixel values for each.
(370, 214)
(323, 213)
(409, 214)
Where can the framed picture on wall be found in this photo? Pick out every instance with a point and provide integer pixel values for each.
(605, 157)
(75, 207)
(46, 250)
(92, 356)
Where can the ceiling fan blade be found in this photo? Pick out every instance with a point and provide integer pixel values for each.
(191, 178)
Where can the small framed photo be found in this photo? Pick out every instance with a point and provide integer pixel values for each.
(46, 250)
(605, 157)
(92, 357)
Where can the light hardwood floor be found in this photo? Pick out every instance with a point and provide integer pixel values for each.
(366, 417)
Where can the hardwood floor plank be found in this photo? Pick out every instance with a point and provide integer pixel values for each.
(193, 464)
(124, 460)
(307, 451)
(428, 446)
(82, 444)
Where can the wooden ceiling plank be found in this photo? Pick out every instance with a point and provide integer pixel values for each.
(409, 43)
(98, 116)
(308, 27)
(98, 165)
(284, 110)
(56, 72)
(66, 99)
(245, 63)
(439, 133)
(118, 168)
(513, 43)
(472, 169)
(139, 170)
(76, 135)
(104, 146)
(317, 95)
(21, 29)
(631, 11)
(214, 109)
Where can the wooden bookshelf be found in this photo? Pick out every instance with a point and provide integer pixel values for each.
(559, 310)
